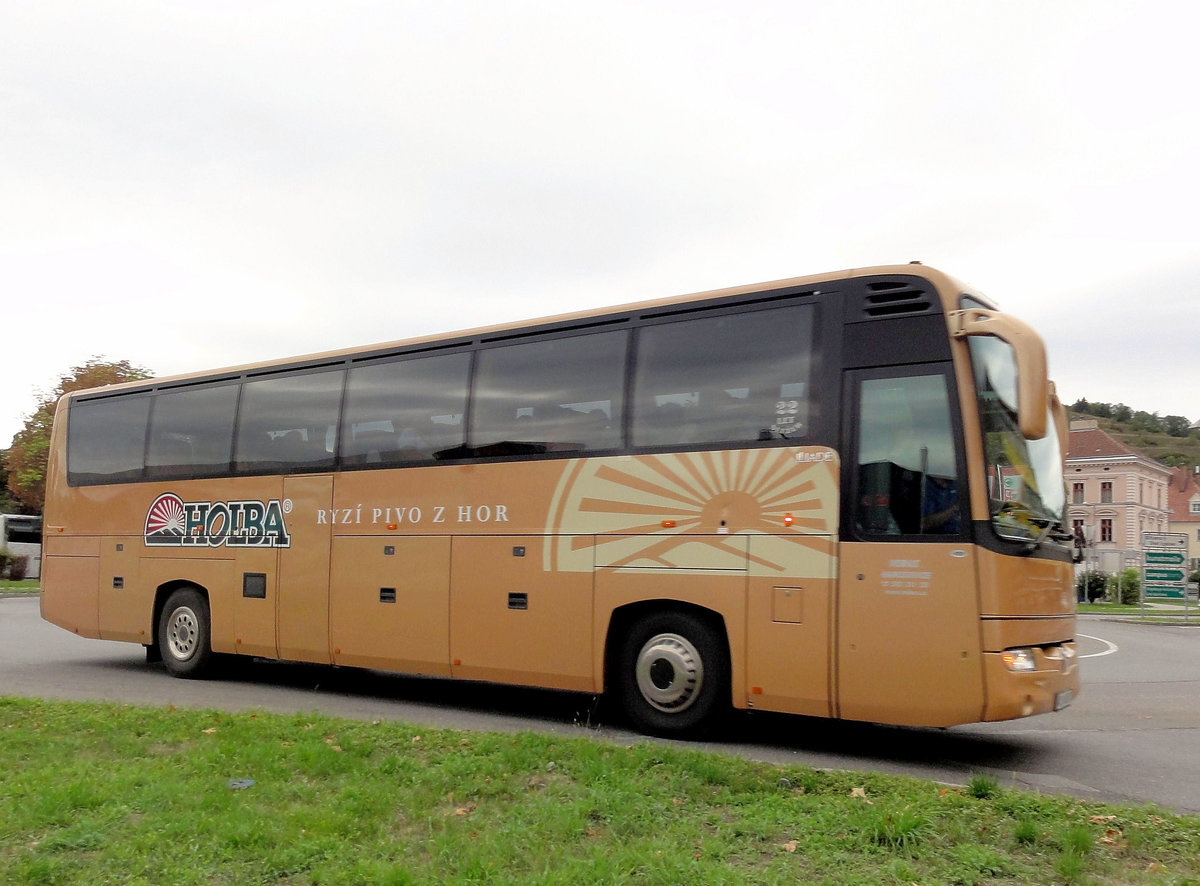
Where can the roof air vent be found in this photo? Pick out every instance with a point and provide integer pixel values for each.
(891, 298)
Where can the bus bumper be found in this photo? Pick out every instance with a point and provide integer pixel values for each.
(1024, 682)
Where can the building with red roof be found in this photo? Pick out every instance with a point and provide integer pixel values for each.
(1183, 506)
(1115, 493)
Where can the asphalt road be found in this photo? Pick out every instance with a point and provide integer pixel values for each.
(1133, 735)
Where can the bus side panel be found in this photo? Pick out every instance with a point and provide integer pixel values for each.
(215, 576)
(788, 636)
(908, 645)
(126, 605)
(720, 591)
(246, 623)
(390, 603)
(511, 621)
(303, 594)
(70, 585)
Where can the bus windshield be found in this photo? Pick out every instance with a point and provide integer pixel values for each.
(1026, 491)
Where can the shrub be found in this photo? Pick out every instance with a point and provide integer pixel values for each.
(5, 559)
(1091, 586)
(18, 567)
(1131, 586)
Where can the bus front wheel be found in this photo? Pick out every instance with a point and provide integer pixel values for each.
(674, 674)
(184, 633)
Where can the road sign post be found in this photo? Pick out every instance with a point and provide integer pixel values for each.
(1163, 575)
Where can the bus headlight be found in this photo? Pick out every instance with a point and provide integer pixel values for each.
(1019, 660)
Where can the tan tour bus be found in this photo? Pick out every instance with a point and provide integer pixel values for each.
(837, 496)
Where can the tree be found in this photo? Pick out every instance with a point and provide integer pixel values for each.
(26, 458)
(8, 504)
(1147, 421)
(1177, 425)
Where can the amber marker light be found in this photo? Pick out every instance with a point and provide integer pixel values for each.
(668, 524)
(788, 519)
(393, 526)
(1019, 659)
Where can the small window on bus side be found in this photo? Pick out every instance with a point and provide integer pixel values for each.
(405, 411)
(907, 467)
(191, 432)
(289, 422)
(106, 440)
(734, 378)
(554, 395)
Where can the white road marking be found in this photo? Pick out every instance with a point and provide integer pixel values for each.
(1112, 647)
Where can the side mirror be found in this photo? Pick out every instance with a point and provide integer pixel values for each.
(1033, 386)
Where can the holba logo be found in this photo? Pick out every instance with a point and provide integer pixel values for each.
(173, 522)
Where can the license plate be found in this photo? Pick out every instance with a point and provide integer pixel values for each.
(1064, 698)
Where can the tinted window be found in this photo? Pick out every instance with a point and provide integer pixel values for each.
(405, 411)
(908, 472)
(106, 439)
(23, 530)
(289, 422)
(559, 395)
(733, 378)
(191, 432)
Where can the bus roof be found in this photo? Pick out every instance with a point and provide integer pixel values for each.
(946, 284)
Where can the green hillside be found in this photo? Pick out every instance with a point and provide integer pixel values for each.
(1167, 439)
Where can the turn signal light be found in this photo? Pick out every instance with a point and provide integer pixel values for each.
(1019, 660)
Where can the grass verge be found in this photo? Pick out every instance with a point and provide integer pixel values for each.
(25, 586)
(94, 793)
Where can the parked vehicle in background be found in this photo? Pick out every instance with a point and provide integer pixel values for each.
(21, 536)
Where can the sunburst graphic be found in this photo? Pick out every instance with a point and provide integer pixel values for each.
(766, 511)
(165, 517)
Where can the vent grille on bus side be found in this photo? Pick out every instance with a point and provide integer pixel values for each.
(894, 298)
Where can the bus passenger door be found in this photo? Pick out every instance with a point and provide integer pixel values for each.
(303, 597)
(908, 642)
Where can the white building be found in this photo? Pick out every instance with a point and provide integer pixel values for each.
(1115, 493)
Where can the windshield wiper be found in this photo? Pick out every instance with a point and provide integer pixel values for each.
(1047, 528)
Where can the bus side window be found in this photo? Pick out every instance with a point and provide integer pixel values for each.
(107, 440)
(191, 432)
(907, 469)
(403, 411)
(719, 379)
(283, 422)
(551, 395)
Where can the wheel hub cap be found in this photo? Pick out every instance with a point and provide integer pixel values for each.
(669, 673)
(181, 633)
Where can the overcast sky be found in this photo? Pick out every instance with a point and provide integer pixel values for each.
(193, 185)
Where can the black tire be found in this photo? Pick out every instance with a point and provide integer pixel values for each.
(185, 634)
(673, 674)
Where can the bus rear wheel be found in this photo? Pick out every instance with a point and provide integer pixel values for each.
(674, 674)
(184, 633)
